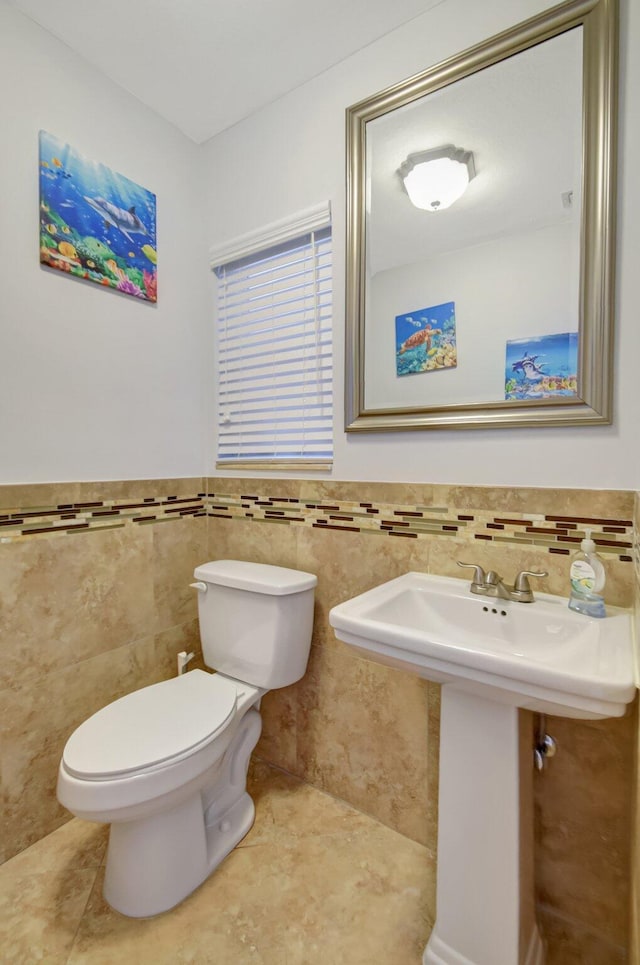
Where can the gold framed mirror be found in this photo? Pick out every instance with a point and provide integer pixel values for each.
(494, 309)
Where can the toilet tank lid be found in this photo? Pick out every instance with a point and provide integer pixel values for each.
(257, 577)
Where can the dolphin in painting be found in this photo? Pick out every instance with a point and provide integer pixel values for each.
(127, 222)
(528, 367)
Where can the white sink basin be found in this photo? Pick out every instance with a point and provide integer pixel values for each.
(540, 656)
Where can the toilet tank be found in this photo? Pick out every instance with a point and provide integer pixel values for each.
(256, 621)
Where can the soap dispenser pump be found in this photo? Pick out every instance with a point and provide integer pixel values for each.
(587, 580)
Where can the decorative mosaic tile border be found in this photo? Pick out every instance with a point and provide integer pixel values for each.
(559, 534)
(636, 537)
(84, 517)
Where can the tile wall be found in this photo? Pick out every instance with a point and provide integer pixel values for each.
(94, 602)
(634, 955)
(369, 734)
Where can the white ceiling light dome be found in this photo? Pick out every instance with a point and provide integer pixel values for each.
(435, 179)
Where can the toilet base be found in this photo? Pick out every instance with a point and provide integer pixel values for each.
(154, 863)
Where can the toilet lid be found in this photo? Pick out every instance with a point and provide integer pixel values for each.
(151, 726)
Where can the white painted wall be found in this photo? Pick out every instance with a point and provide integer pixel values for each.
(97, 386)
(94, 385)
(291, 155)
(486, 283)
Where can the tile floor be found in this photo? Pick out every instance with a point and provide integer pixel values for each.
(315, 882)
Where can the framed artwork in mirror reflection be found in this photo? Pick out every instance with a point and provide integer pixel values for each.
(426, 340)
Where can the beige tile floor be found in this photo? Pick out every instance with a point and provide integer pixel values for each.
(315, 882)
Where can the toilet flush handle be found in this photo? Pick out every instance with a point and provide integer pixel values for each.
(199, 586)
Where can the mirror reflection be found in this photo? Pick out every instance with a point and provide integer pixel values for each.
(480, 233)
(503, 259)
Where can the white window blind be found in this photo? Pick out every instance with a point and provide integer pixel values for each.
(274, 356)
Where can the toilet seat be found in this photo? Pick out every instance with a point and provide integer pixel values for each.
(151, 728)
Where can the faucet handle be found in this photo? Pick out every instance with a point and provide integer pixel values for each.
(493, 578)
(478, 577)
(521, 583)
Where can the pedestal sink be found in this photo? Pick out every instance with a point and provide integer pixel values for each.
(492, 658)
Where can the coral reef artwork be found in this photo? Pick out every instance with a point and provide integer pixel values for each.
(542, 367)
(426, 340)
(96, 224)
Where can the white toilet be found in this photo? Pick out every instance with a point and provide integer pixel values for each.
(166, 766)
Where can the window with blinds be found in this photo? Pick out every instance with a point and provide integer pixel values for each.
(274, 357)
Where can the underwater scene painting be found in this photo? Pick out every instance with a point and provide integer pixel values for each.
(542, 368)
(95, 223)
(426, 340)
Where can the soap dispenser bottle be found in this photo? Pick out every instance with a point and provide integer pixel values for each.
(587, 580)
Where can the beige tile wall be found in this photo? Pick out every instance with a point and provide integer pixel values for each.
(369, 734)
(635, 853)
(87, 617)
(84, 618)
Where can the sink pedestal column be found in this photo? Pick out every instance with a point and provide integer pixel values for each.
(485, 903)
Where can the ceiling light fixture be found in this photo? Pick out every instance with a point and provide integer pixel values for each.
(435, 179)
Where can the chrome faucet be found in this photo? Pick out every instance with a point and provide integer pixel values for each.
(492, 584)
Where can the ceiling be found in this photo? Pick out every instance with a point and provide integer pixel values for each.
(204, 65)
